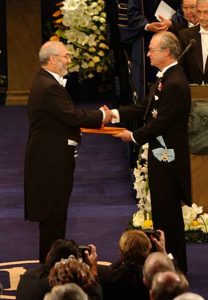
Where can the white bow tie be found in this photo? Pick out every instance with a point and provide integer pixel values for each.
(159, 74)
(62, 81)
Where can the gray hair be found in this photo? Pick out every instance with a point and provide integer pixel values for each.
(189, 296)
(48, 49)
(68, 291)
(170, 41)
(154, 263)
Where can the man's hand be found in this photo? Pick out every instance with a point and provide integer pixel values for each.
(156, 27)
(165, 22)
(108, 114)
(125, 136)
(92, 259)
(160, 244)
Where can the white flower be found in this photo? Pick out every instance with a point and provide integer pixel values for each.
(194, 218)
(138, 218)
(83, 28)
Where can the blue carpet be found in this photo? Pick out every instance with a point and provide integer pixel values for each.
(100, 206)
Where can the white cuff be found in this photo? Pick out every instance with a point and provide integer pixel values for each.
(117, 116)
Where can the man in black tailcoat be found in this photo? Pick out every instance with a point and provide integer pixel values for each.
(165, 113)
(195, 60)
(54, 132)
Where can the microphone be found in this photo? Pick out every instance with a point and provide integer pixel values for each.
(192, 42)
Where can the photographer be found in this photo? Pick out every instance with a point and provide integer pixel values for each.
(34, 283)
(123, 279)
(89, 256)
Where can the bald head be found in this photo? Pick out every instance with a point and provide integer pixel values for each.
(54, 57)
(167, 285)
(154, 263)
(189, 296)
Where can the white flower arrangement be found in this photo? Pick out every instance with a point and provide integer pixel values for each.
(82, 26)
(195, 221)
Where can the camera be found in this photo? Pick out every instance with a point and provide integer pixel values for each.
(82, 249)
(152, 232)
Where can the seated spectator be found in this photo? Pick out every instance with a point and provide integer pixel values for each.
(167, 285)
(154, 263)
(34, 283)
(72, 270)
(189, 296)
(123, 279)
(68, 291)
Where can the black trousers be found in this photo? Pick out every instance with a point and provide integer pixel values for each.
(54, 226)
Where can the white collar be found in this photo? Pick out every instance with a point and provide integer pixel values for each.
(203, 31)
(161, 73)
(62, 81)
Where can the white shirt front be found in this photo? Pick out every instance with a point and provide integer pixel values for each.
(204, 44)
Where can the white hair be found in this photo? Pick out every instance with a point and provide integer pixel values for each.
(70, 291)
(189, 296)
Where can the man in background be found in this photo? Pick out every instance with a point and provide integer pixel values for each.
(189, 14)
(195, 60)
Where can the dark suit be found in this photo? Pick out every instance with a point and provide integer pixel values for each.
(49, 163)
(169, 182)
(122, 281)
(34, 284)
(193, 60)
(175, 28)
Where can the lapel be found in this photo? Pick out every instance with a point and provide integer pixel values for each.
(198, 49)
(151, 96)
(155, 86)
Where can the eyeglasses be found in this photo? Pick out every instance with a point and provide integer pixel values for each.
(156, 49)
(67, 56)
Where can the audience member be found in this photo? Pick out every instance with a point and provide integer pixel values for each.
(195, 60)
(123, 279)
(72, 270)
(167, 285)
(189, 296)
(154, 263)
(189, 14)
(68, 291)
(34, 283)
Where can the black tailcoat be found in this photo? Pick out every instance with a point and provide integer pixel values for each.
(49, 161)
(193, 59)
(53, 119)
(169, 183)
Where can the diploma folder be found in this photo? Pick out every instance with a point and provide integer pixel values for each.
(103, 130)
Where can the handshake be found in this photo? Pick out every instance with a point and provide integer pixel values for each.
(108, 114)
(112, 116)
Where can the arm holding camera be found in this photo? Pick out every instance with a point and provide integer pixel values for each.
(91, 259)
(159, 241)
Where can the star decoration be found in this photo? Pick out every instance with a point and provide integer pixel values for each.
(154, 113)
(165, 156)
(156, 98)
